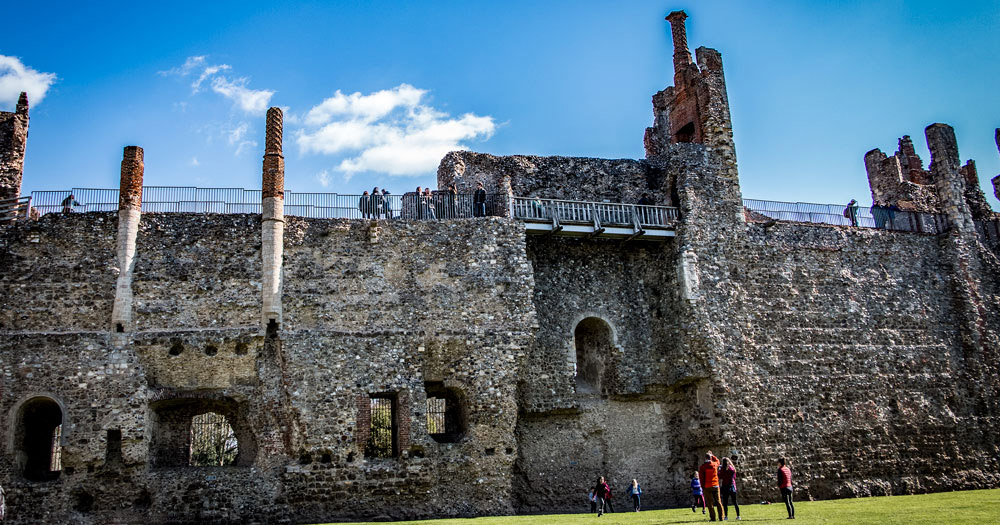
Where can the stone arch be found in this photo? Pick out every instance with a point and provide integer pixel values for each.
(594, 341)
(170, 426)
(36, 437)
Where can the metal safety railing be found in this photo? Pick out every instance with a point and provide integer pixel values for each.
(14, 209)
(842, 215)
(599, 213)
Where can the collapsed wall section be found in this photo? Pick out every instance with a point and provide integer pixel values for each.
(569, 178)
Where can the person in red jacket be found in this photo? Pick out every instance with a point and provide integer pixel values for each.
(709, 474)
(785, 485)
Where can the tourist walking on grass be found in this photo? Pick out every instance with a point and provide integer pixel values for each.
(785, 486)
(602, 492)
(635, 491)
(727, 480)
(699, 496)
(592, 496)
(709, 474)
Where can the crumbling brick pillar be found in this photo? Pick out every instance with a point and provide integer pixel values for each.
(949, 181)
(129, 214)
(273, 220)
(13, 139)
(682, 56)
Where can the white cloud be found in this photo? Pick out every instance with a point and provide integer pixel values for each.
(390, 131)
(323, 178)
(16, 77)
(249, 100)
(194, 162)
(252, 101)
(237, 137)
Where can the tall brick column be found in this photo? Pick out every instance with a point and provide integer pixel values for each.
(273, 220)
(13, 139)
(129, 214)
(682, 56)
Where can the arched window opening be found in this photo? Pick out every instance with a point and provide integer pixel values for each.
(445, 413)
(213, 442)
(40, 433)
(594, 343)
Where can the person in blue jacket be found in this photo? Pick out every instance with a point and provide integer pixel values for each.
(635, 491)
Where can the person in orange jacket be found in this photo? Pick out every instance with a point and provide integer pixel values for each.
(709, 474)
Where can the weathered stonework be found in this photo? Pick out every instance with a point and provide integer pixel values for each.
(13, 139)
(866, 356)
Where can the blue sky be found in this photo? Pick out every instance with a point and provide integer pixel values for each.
(374, 91)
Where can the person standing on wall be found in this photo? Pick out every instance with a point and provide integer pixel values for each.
(785, 486)
(364, 205)
(378, 203)
(727, 479)
(851, 212)
(601, 492)
(699, 497)
(479, 201)
(635, 491)
(68, 204)
(709, 474)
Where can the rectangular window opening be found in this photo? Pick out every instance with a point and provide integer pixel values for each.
(382, 436)
(436, 410)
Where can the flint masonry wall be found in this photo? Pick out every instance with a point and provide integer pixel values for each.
(843, 349)
(445, 302)
(639, 424)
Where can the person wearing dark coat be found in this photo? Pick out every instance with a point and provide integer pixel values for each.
(603, 492)
(479, 201)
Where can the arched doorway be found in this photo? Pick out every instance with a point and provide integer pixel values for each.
(38, 439)
(594, 343)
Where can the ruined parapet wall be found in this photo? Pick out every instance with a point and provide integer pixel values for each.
(570, 178)
(845, 355)
(56, 274)
(13, 140)
(184, 279)
(901, 180)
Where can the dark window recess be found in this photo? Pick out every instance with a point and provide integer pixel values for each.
(113, 454)
(593, 341)
(382, 438)
(445, 413)
(119, 328)
(686, 133)
(213, 442)
(38, 439)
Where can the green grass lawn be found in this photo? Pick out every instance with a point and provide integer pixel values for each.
(974, 506)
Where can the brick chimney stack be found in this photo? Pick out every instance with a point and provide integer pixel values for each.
(273, 223)
(129, 215)
(682, 56)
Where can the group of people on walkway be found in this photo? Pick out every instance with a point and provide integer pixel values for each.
(423, 203)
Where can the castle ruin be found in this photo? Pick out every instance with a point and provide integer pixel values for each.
(373, 368)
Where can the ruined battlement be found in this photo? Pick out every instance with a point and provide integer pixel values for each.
(13, 139)
(258, 367)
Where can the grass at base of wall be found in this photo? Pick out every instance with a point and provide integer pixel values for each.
(974, 506)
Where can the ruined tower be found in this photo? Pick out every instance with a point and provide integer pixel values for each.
(273, 221)
(13, 139)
